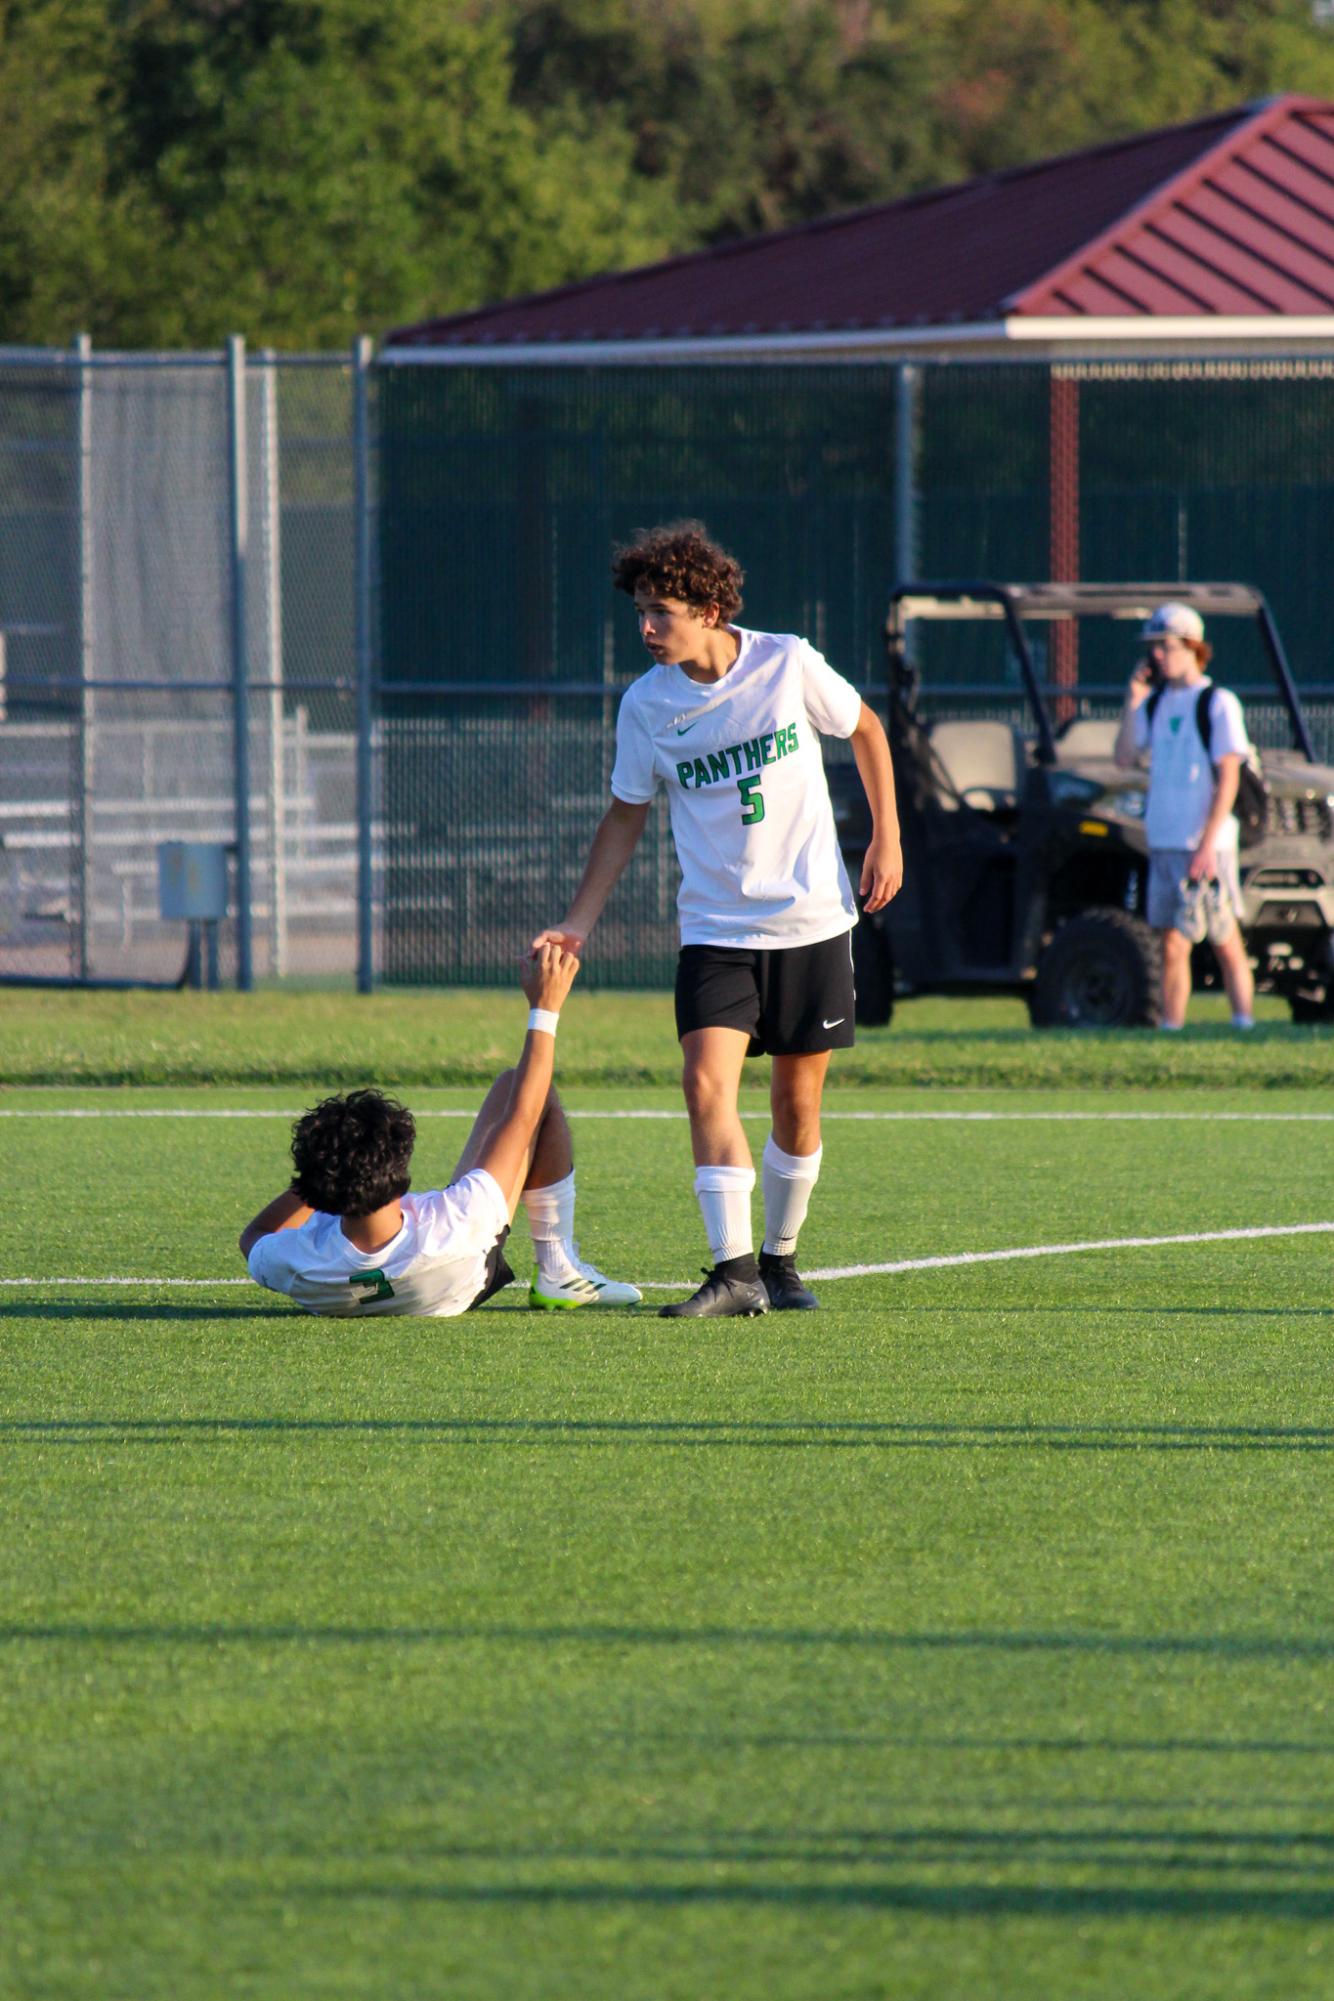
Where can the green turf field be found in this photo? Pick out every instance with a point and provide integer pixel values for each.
(970, 1638)
(461, 1037)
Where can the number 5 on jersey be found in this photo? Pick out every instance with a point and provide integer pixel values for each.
(752, 800)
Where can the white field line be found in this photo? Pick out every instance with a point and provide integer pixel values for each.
(848, 1271)
(944, 1118)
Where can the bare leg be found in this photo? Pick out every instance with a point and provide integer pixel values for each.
(712, 1078)
(795, 1092)
(550, 1157)
(1235, 967)
(1176, 978)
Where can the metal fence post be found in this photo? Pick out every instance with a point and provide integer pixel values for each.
(907, 399)
(83, 349)
(238, 522)
(273, 616)
(361, 363)
(905, 471)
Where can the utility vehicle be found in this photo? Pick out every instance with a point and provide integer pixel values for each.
(1024, 849)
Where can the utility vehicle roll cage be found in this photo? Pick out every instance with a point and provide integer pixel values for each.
(965, 601)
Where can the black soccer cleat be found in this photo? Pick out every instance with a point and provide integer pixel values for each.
(724, 1291)
(782, 1281)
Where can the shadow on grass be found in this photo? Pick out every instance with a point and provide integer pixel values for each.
(99, 1309)
(889, 1865)
(1022, 1035)
(998, 1311)
(784, 1434)
(1314, 1903)
(1222, 1647)
(96, 1309)
(1209, 1850)
(36, 1309)
(1062, 1747)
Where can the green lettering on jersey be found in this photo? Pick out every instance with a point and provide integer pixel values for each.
(696, 773)
(380, 1287)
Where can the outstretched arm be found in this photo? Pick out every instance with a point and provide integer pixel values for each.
(615, 841)
(882, 869)
(286, 1212)
(546, 979)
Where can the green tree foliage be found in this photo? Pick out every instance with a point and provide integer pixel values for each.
(303, 169)
(69, 227)
(296, 170)
(766, 113)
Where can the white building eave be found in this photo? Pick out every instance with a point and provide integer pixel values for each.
(860, 345)
(1015, 338)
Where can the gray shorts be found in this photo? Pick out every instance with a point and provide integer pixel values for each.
(1205, 910)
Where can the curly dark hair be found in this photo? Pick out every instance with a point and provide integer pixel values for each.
(680, 561)
(352, 1153)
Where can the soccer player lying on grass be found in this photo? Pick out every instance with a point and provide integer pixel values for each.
(347, 1237)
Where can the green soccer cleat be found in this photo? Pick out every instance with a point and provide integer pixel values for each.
(582, 1284)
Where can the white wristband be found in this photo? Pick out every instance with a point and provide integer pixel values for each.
(543, 1019)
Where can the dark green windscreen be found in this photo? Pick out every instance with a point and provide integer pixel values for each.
(503, 491)
(502, 495)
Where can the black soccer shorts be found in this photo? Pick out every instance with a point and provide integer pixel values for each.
(795, 1001)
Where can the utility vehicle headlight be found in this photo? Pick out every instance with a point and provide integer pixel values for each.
(1065, 788)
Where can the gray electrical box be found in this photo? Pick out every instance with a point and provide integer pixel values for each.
(192, 881)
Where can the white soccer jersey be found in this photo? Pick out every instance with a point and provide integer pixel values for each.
(436, 1265)
(751, 818)
(1181, 774)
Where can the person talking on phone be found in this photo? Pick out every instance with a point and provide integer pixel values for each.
(1194, 891)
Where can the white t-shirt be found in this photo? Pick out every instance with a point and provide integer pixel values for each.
(751, 818)
(1181, 772)
(436, 1265)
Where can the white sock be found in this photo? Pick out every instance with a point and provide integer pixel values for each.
(723, 1194)
(551, 1223)
(1243, 1021)
(1170, 1027)
(788, 1181)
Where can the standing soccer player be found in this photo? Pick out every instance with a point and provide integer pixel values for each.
(727, 720)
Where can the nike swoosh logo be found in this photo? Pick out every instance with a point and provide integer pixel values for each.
(689, 726)
(834, 1024)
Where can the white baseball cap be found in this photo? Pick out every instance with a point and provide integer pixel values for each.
(1174, 621)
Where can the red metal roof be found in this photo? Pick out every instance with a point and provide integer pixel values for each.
(1229, 215)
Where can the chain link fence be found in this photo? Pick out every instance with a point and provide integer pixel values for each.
(396, 578)
(178, 554)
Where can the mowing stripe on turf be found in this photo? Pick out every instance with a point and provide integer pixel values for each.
(945, 1118)
(852, 1271)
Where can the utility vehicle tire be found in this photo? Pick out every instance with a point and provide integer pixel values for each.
(1310, 1007)
(873, 974)
(1101, 970)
